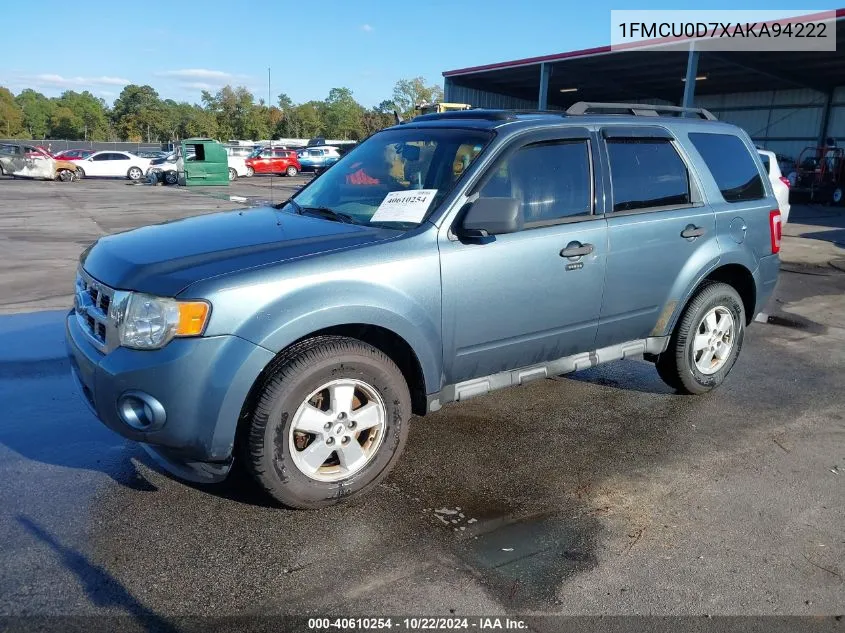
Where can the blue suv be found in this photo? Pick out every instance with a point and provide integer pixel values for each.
(439, 260)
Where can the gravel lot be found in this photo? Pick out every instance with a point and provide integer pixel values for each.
(599, 493)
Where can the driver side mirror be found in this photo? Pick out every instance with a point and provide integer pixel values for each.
(492, 216)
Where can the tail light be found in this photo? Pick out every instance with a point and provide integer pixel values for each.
(785, 181)
(775, 226)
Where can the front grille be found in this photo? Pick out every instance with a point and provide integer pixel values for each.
(93, 305)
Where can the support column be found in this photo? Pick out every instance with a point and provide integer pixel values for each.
(689, 84)
(447, 89)
(543, 97)
(828, 102)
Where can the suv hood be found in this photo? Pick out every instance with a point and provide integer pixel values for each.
(164, 259)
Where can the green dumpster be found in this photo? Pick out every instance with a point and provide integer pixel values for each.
(205, 162)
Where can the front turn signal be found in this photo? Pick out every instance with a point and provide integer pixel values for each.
(193, 316)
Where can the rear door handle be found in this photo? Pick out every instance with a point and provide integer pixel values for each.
(576, 249)
(692, 232)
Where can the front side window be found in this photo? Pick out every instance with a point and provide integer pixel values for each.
(647, 174)
(732, 165)
(550, 180)
(391, 161)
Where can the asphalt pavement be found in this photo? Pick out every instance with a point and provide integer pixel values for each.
(598, 493)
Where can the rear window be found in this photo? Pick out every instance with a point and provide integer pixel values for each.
(646, 174)
(732, 165)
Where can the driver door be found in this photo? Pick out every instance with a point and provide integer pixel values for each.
(516, 300)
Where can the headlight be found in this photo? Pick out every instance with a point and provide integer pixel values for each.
(150, 322)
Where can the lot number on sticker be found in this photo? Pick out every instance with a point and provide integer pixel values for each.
(404, 206)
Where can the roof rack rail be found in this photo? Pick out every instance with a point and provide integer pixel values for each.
(637, 109)
(474, 113)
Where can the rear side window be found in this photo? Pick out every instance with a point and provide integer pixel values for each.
(732, 165)
(551, 180)
(647, 174)
(766, 163)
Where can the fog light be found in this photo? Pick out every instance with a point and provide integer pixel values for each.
(141, 411)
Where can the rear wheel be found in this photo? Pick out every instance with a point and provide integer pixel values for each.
(836, 196)
(135, 174)
(233, 175)
(291, 171)
(250, 172)
(329, 424)
(706, 342)
(171, 177)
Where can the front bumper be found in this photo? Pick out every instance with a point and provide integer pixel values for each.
(202, 384)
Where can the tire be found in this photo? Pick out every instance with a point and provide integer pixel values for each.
(171, 177)
(837, 196)
(686, 369)
(275, 454)
(233, 175)
(250, 172)
(291, 171)
(80, 173)
(65, 175)
(135, 174)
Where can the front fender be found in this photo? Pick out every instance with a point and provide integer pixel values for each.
(309, 309)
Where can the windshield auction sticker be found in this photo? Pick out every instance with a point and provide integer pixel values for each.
(404, 206)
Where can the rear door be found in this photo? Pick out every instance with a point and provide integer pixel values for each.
(660, 231)
(532, 296)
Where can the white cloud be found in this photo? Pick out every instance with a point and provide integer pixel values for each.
(71, 82)
(198, 85)
(198, 73)
(367, 28)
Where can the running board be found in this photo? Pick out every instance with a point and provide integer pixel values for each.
(480, 386)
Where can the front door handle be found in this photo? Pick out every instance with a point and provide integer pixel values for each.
(692, 231)
(576, 249)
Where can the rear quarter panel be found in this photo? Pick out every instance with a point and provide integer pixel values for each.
(746, 246)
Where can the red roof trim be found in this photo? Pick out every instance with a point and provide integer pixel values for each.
(584, 52)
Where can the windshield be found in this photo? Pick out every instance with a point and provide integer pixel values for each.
(365, 184)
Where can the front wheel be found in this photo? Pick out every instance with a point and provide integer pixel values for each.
(171, 177)
(329, 424)
(233, 175)
(80, 173)
(291, 171)
(65, 175)
(836, 196)
(135, 174)
(706, 342)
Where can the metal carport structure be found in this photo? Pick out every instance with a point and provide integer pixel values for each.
(785, 100)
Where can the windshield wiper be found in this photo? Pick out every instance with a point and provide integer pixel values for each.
(329, 214)
(291, 202)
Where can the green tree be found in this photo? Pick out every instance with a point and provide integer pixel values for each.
(343, 115)
(89, 121)
(375, 120)
(236, 112)
(11, 115)
(138, 114)
(408, 93)
(36, 113)
(285, 102)
(65, 123)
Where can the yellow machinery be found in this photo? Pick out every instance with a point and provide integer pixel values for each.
(431, 108)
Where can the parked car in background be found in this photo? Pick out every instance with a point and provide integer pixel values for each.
(111, 164)
(273, 160)
(74, 154)
(26, 161)
(780, 183)
(317, 158)
(151, 154)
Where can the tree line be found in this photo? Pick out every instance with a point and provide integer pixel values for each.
(140, 115)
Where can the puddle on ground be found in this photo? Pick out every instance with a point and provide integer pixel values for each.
(796, 322)
(527, 559)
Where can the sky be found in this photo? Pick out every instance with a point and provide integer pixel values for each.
(182, 48)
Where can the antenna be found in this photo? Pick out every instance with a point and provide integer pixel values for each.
(269, 102)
